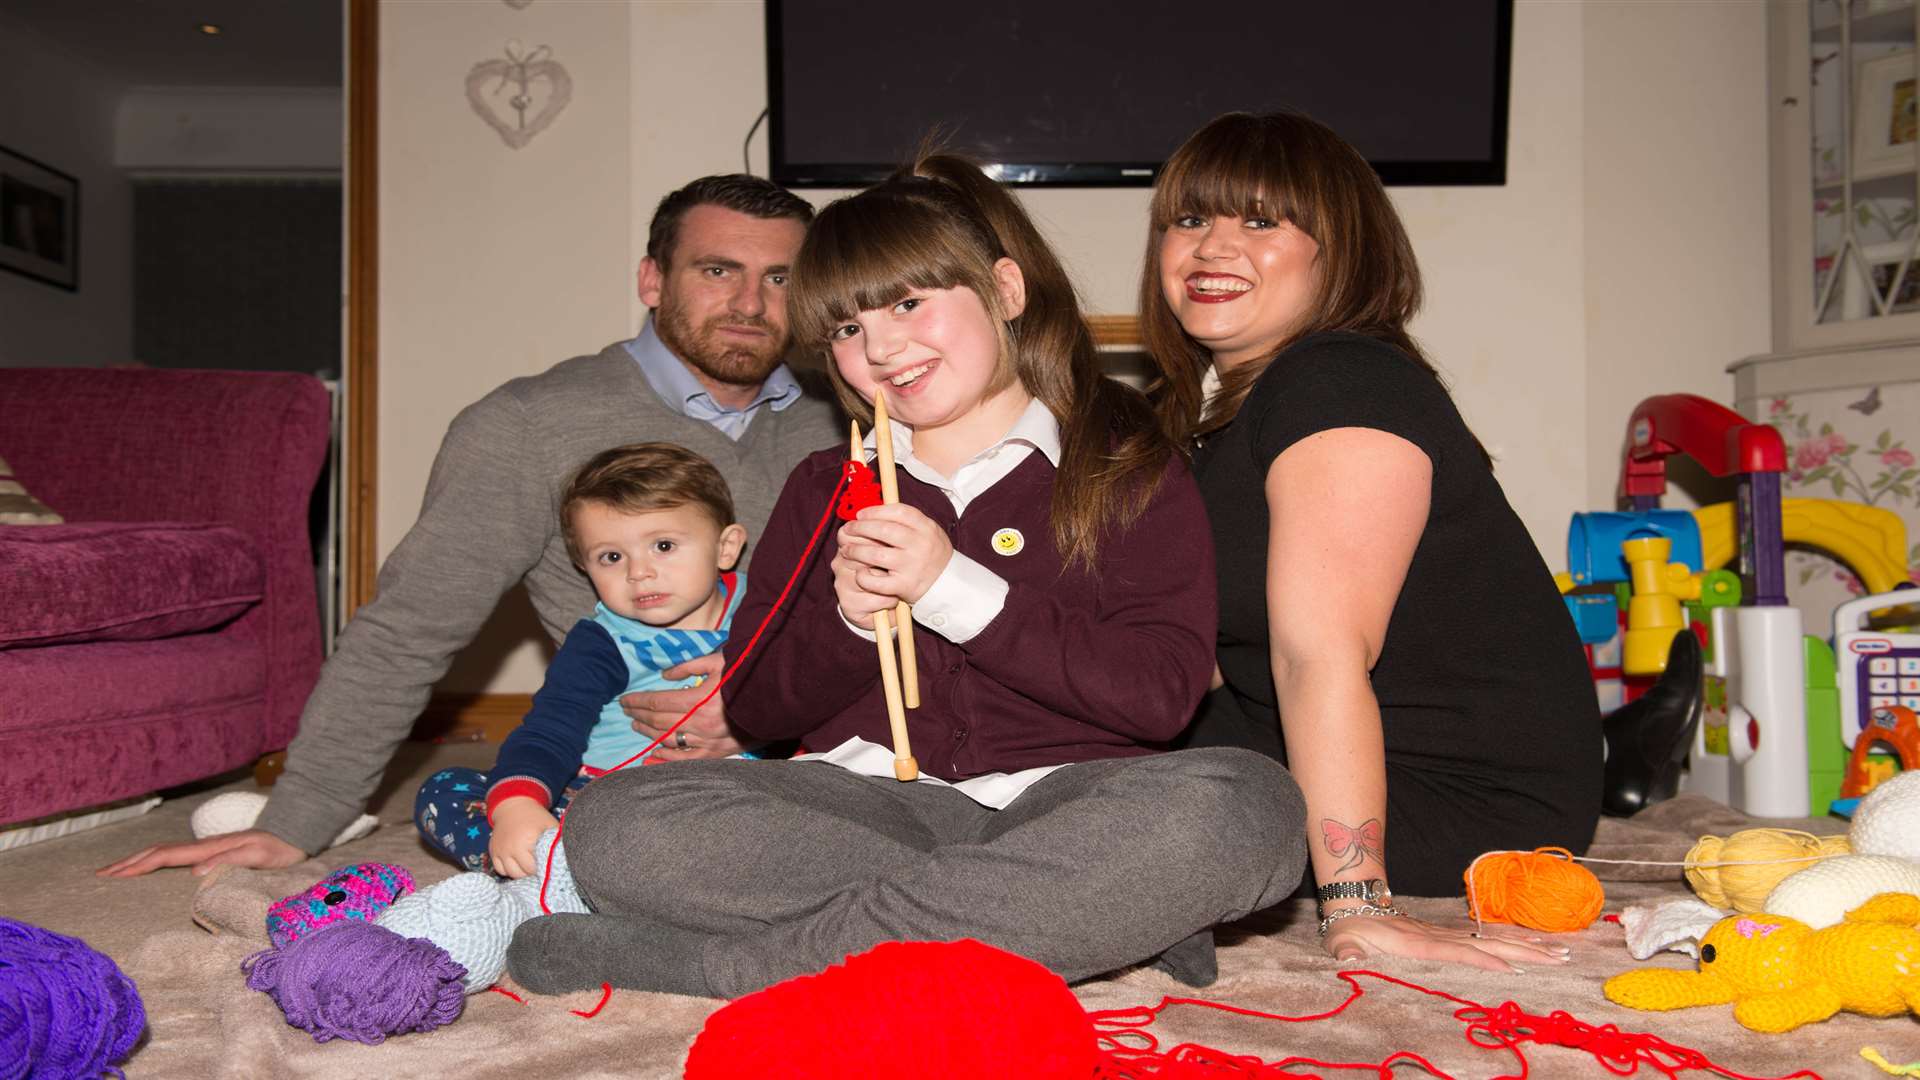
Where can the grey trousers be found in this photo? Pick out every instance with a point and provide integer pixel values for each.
(784, 868)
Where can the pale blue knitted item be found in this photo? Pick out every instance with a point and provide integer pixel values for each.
(473, 916)
(562, 894)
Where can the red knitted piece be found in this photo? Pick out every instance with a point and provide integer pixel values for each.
(904, 1011)
(862, 490)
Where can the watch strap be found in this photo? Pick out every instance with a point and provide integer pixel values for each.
(1368, 889)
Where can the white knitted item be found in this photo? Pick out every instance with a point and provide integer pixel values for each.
(1887, 821)
(1677, 925)
(473, 916)
(1822, 894)
(237, 810)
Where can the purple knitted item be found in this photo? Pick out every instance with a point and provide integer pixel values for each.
(66, 1011)
(354, 980)
(352, 892)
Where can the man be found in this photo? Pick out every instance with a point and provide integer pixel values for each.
(705, 372)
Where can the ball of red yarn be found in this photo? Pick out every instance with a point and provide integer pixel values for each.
(1542, 889)
(912, 1009)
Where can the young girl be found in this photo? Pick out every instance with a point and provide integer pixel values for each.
(1055, 550)
(652, 526)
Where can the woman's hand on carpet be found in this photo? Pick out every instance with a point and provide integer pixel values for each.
(253, 848)
(1363, 937)
(705, 734)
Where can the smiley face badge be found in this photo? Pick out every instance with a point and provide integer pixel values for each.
(1008, 542)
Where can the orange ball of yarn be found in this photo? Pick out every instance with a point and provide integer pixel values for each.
(1542, 889)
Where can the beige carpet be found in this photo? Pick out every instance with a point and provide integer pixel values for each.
(204, 1023)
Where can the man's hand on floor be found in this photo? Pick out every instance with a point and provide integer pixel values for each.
(254, 848)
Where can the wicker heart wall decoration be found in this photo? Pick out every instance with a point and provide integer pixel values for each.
(539, 87)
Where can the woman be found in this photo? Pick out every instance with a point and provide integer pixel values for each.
(1387, 627)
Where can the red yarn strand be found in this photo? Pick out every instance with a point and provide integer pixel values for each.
(606, 995)
(1132, 1053)
(508, 993)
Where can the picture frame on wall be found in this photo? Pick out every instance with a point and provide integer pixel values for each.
(39, 221)
(1886, 130)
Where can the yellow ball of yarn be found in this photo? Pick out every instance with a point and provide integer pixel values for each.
(1775, 854)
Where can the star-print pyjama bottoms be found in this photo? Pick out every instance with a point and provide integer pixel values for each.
(451, 814)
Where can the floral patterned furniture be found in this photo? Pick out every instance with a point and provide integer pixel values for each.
(1857, 440)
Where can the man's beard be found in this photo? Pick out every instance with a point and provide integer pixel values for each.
(734, 364)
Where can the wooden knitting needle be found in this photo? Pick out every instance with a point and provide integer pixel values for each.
(890, 494)
(904, 766)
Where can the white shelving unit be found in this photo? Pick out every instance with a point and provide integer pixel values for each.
(1843, 380)
(1846, 191)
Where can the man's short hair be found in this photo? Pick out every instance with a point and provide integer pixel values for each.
(639, 477)
(740, 192)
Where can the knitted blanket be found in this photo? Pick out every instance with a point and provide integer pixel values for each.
(205, 1023)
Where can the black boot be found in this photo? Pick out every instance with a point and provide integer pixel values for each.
(1648, 738)
(1192, 961)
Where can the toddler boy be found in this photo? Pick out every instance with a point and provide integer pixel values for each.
(652, 525)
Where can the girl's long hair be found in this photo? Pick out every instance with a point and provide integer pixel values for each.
(1286, 167)
(940, 223)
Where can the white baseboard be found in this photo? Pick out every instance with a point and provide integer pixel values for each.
(59, 825)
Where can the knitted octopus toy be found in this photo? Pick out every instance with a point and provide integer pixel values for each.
(1779, 973)
(410, 968)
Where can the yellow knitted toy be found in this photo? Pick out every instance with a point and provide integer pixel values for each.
(1779, 973)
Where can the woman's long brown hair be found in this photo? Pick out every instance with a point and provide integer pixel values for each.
(1286, 167)
(940, 223)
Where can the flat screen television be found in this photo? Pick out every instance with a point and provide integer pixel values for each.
(1099, 92)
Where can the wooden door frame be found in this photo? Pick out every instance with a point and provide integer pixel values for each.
(458, 716)
(363, 297)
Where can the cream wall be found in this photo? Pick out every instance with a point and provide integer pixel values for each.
(1625, 256)
(1677, 249)
(494, 262)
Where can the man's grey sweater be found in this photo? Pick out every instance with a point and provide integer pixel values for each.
(490, 520)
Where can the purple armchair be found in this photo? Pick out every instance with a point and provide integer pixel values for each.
(169, 631)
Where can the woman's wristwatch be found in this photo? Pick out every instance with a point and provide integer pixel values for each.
(1377, 900)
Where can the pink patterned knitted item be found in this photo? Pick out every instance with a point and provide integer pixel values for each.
(355, 892)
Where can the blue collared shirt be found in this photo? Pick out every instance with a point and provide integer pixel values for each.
(683, 392)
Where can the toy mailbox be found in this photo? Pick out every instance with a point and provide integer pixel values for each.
(1594, 557)
(1594, 539)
